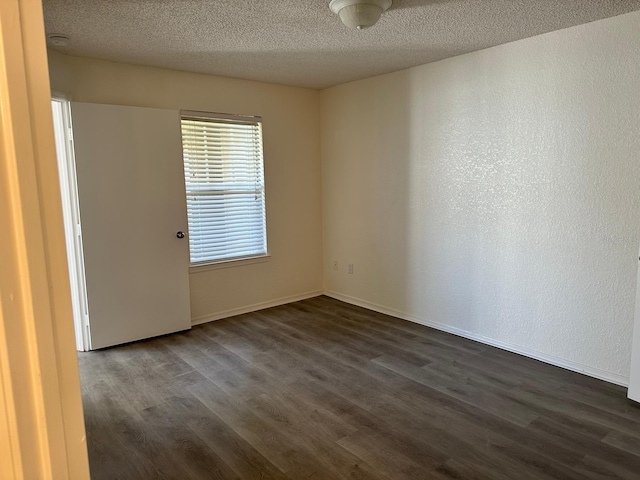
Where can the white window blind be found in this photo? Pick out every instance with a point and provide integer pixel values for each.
(224, 179)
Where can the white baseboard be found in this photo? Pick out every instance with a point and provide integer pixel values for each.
(252, 308)
(543, 357)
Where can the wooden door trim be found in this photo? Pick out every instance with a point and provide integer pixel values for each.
(41, 426)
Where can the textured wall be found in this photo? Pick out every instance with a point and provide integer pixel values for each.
(291, 132)
(496, 193)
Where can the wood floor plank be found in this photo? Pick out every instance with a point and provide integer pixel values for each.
(484, 399)
(624, 442)
(126, 447)
(595, 468)
(280, 447)
(313, 436)
(579, 442)
(470, 442)
(326, 390)
(575, 409)
(387, 457)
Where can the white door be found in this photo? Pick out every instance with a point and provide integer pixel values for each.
(132, 204)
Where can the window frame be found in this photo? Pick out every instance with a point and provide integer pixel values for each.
(234, 119)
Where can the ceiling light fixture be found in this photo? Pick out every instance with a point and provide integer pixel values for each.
(359, 14)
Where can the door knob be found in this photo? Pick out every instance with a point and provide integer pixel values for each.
(180, 234)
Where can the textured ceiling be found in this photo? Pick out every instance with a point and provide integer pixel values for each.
(300, 42)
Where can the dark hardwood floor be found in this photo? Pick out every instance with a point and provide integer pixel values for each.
(320, 389)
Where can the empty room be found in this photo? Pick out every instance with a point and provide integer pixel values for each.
(327, 239)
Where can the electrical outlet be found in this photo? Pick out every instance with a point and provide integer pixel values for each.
(335, 265)
(350, 269)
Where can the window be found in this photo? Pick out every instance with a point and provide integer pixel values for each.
(224, 179)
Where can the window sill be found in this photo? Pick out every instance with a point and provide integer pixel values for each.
(240, 262)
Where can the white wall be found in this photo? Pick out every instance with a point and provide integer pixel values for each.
(291, 132)
(496, 194)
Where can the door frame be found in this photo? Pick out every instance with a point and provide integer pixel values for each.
(633, 392)
(72, 225)
(42, 432)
